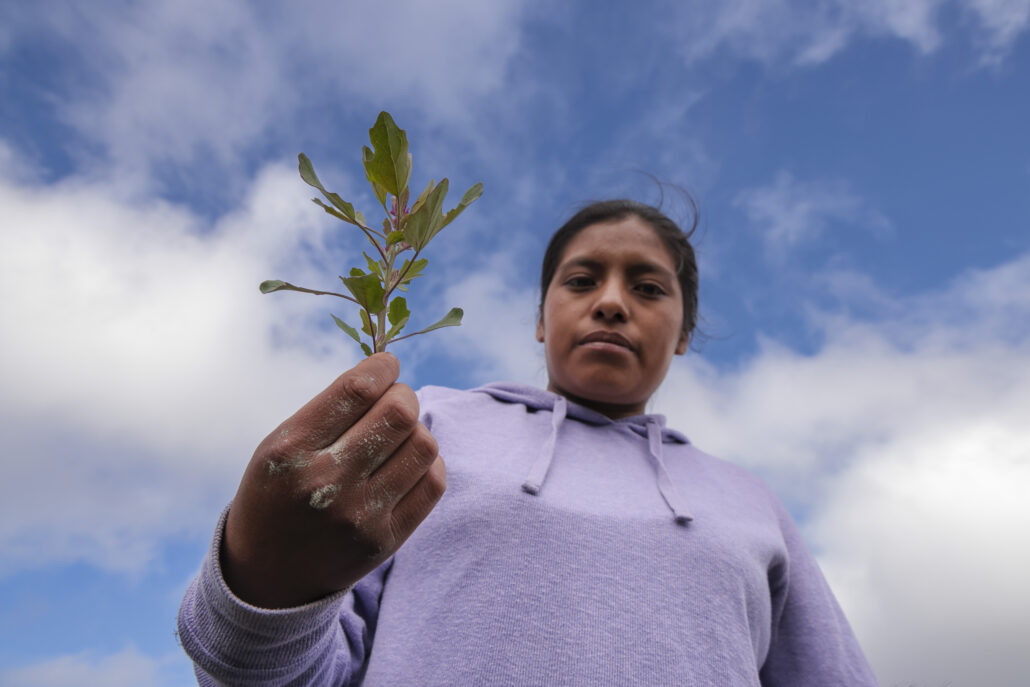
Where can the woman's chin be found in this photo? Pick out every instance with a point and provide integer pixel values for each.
(602, 394)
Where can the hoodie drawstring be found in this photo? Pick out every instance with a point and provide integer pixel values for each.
(537, 473)
(665, 486)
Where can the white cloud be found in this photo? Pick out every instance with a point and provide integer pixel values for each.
(923, 536)
(142, 365)
(442, 56)
(903, 443)
(806, 32)
(127, 668)
(789, 212)
(497, 336)
(12, 166)
(158, 86)
(1002, 22)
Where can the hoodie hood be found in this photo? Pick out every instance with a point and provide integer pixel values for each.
(648, 427)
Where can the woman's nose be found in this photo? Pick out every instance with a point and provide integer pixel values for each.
(611, 302)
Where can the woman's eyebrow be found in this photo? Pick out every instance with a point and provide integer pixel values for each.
(639, 268)
(634, 269)
(588, 263)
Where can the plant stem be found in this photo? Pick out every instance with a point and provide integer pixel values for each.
(325, 293)
(400, 278)
(368, 235)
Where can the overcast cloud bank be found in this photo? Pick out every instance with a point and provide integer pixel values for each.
(144, 366)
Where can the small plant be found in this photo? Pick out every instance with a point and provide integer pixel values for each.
(404, 230)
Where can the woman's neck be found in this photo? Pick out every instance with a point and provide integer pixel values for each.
(614, 411)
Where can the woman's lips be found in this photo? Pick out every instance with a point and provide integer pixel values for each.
(606, 340)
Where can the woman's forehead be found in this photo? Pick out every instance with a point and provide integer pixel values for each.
(629, 241)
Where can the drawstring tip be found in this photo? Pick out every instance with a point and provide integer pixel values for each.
(683, 520)
(531, 488)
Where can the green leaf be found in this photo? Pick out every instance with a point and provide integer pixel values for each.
(351, 331)
(414, 271)
(389, 163)
(367, 290)
(307, 172)
(398, 315)
(451, 319)
(344, 210)
(356, 272)
(398, 310)
(366, 350)
(366, 325)
(470, 197)
(422, 197)
(422, 223)
(377, 189)
(394, 237)
(273, 285)
(347, 213)
(373, 266)
(277, 285)
(396, 329)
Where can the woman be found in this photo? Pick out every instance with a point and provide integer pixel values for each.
(580, 541)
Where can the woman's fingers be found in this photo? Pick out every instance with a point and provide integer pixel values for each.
(419, 501)
(336, 409)
(333, 491)
(370, 441)
(409, 463)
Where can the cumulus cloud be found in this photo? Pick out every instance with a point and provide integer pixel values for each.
(804, 32)
(142, 365)
(789, 212)
(497, 335)
(1002, 22)
(126, 668)
(902, 444)
(156, 87)
(921, 536)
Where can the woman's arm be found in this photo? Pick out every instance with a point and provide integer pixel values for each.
(234, 643)
(287, 593)
(812, 644)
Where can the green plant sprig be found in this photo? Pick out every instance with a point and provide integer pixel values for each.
(388, 169)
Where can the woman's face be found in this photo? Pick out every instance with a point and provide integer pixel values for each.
(612, 317)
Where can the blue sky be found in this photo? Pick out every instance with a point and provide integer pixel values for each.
(863, 174)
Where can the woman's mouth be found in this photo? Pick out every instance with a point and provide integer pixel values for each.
(606, 340)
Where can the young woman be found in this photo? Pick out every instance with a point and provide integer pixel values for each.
(579, 542)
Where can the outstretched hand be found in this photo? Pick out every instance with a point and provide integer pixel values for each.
(333, 492)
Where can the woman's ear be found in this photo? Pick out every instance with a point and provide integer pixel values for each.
(540, 330)
(683, 343)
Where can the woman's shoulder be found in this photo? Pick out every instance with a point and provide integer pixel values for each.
(698, 464)
(443, 400)
(488, 394)
(441, 394)
(445, 394)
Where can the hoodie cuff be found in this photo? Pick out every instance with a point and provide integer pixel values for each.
(218, 626)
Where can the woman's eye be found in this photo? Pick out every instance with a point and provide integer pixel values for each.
(579, 282)
(649, 289)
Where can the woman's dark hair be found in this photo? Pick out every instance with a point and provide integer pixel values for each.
(676, 240)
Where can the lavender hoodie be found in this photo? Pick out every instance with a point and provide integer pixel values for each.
(569, 549)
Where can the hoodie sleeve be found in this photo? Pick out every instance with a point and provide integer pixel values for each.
(812, 644)
(326, 642)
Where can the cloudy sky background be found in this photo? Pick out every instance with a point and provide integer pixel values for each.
(863, 172)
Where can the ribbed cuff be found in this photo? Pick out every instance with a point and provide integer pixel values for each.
(227, 636)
